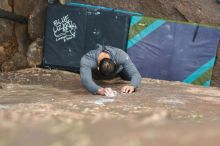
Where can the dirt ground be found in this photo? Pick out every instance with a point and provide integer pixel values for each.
(50, 108)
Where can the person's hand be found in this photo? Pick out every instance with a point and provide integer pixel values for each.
(110, 93)
(127, 89)
(101, 91)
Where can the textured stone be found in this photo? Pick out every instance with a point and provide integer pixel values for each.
(22, 38)
(160, 9)
(200, 11)
(7, 50)
(4, 4)
(2, 54)
(20, 60)
(8, 66)
(35, 11)
(24, 7)
(6, 30)
(6, 27)
(216, 71)
(37, 109)
(36, 20)
(34, 54)
(17, 61)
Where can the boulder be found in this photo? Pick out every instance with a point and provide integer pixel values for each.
(198, 11)
(8, 66)
(2, 55)
(24, 7)
(160, 9)
(183, 10)
(35, 11)
(4, 4)
(6, 27)
(36, 20)
(20, 60)
(6, 31)
(7, 50)
(216, 71)
(22, 38)
(34, 54)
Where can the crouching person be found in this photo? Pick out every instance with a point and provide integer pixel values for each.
(107, 62)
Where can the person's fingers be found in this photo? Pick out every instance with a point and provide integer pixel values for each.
(110, 91)
(101, 91)
(123, 89)
(107, 90)
(131, 90)
(127, 89)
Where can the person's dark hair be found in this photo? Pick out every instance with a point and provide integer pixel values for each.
(107, 67)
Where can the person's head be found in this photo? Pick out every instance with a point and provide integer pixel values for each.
(107, 67)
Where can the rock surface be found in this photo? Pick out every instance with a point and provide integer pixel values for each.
(7, 45)
(201, 11)
(8, 65)
(19, 60)
(6, 27)
(7, 50)
(36, 20)
(43, 107)
(22, 38)
(34, 54)
(216, 70)
(33, 10)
